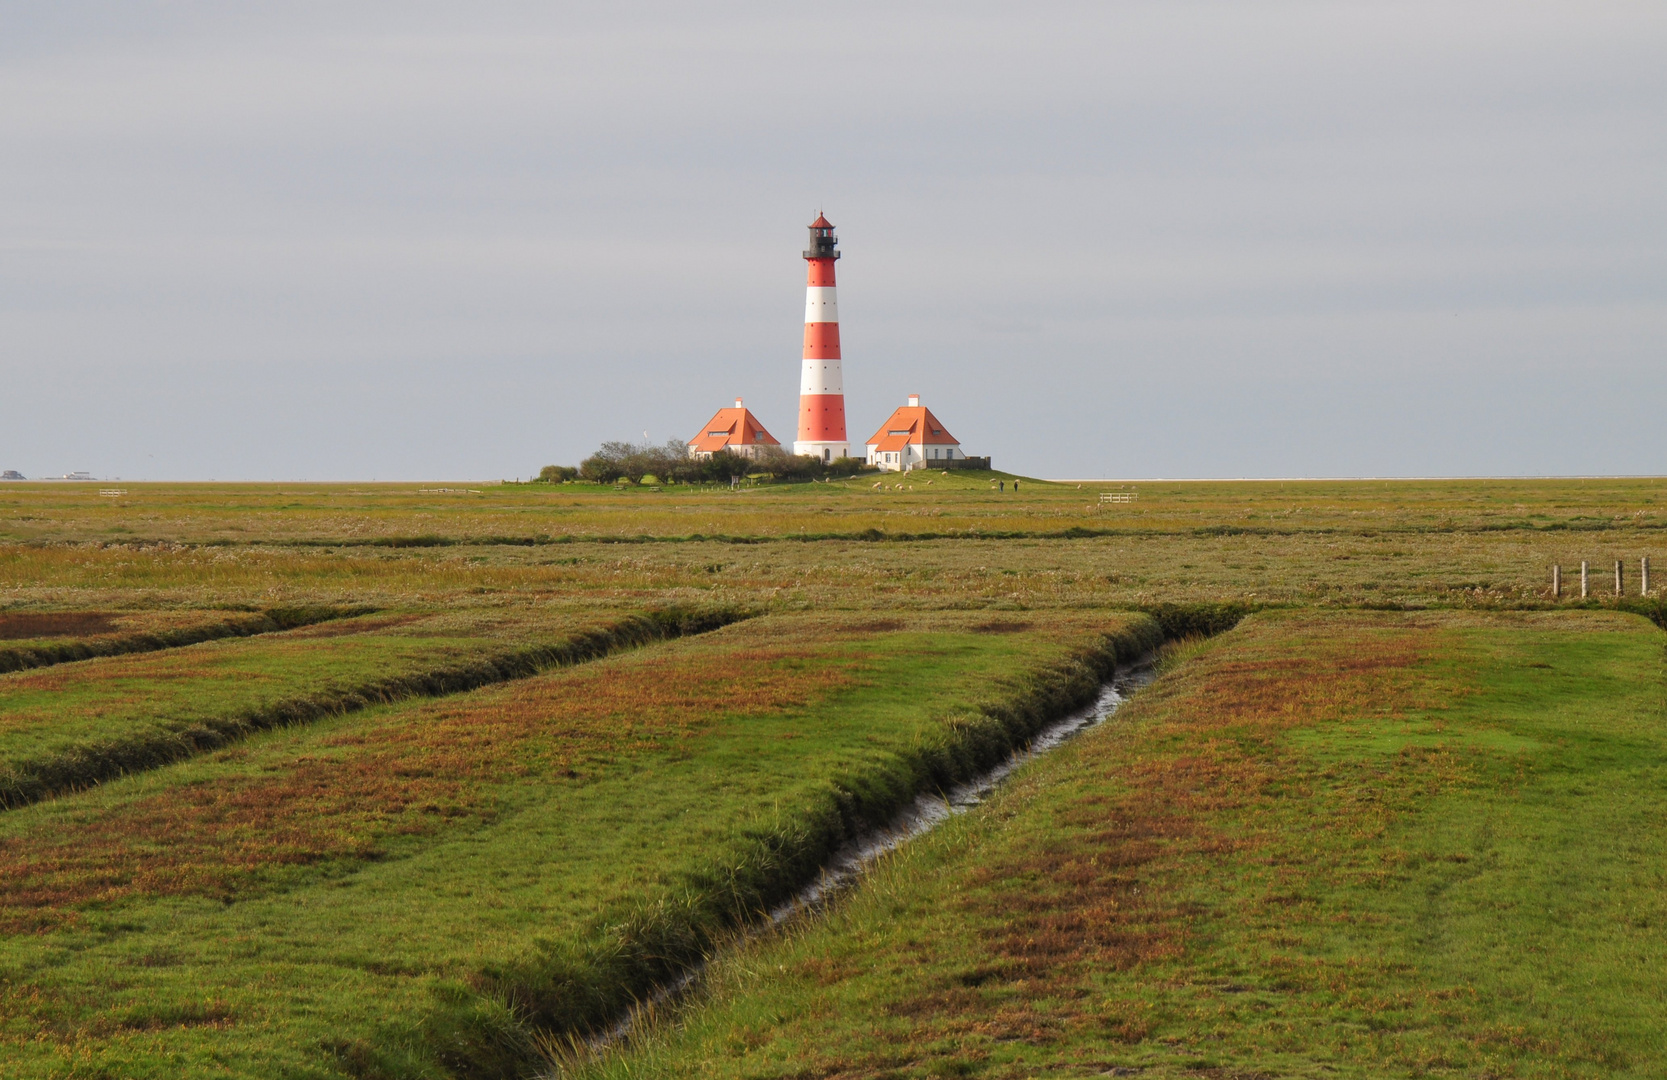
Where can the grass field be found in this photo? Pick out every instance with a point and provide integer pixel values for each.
(316, 894)
(1326, 845)
(1476, 543)
(946, 503)
(1404, 820)
(78, 724)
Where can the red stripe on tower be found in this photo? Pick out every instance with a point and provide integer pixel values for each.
(821, 383)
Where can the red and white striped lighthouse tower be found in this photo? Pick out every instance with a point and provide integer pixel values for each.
(821, 387)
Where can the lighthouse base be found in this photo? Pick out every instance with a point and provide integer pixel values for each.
(825, 451)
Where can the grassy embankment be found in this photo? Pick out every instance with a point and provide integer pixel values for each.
(81, 724)
(1328, 845)
(439, 886)
(31, 639)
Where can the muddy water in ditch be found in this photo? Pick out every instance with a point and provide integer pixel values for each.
(846, 866)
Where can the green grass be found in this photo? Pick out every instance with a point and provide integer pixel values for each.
(1332, 554)
(1260, 870)
(79, 724)
(1326, 845)
(367, 894)
(232, 516)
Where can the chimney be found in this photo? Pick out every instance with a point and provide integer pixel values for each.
(914, 401)
(737, 403)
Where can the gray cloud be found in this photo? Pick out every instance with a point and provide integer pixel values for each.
(400, 241)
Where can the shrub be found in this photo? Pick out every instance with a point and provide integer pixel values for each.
(633, 461)
(793, 467)
(669, 464)
(607, 464)
(723, 467)
(557, 474)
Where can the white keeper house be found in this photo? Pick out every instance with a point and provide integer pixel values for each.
(912, 438)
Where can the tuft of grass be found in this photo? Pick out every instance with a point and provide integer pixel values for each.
(1177, 652)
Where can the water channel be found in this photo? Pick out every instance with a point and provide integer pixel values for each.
(846, 866)
(932, 809)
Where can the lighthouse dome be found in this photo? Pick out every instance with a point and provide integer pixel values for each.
(822, 239)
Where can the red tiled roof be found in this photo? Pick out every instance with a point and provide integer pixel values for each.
(915, 426)
(731, 427)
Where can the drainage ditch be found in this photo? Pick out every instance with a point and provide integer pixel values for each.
(846, 866)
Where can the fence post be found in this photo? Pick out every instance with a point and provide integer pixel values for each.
(1583, 579)
(1617, 579)
(1644, 573)
(1556, 582)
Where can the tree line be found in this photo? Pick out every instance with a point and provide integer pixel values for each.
(671, 464)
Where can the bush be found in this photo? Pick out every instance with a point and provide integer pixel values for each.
(723, 467)
(607, 464)
(557, 474)
(669, 464)
(790, 467)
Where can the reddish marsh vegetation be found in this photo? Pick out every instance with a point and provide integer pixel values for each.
(1375, 844)
(17, 625)
(297, 800)
(1330, 843)
(1095, 889)
(1198, 784)
(79, 725)
(567, 839)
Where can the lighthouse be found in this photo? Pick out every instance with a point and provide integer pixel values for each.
(821, 387)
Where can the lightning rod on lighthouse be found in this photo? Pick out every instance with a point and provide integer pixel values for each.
(821, 385)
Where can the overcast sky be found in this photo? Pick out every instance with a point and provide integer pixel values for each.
(424, 241)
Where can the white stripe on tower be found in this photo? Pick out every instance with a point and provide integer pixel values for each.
(821, 383)
(821, 304)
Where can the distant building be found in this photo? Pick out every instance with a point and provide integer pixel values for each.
(78, 475)
(736, 430)
(911, 439)
(12, 474)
